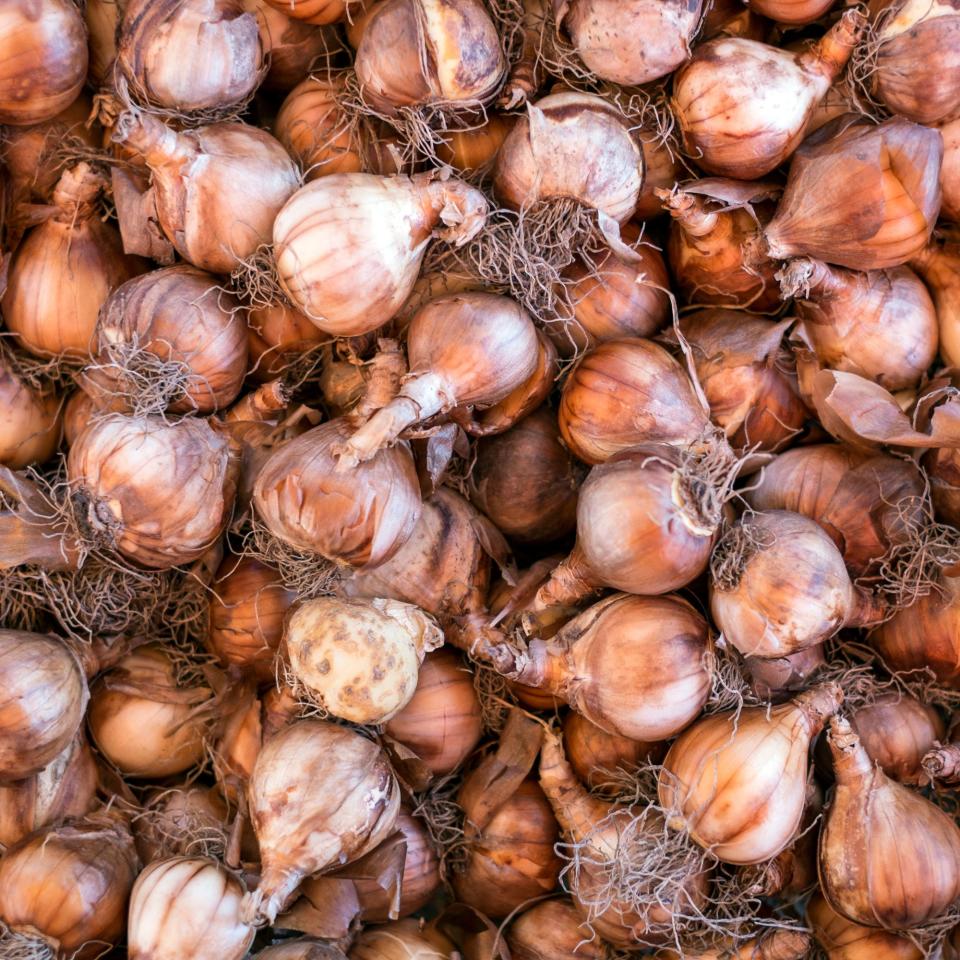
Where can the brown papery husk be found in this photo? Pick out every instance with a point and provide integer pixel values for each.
(48, 43)
(526, 481)
(33, 418)
(402, 940)
(786, 943)
(356, 811)
(862, 875)
(463, 350)
(625, 393)
(303, 948)
(890, 198)
(186, 56)
(881, 325)
(950, 171)
(472, 152)
(188, 821)
(65, 889)
(942, 468)
(553, 930)
(304, 472)
(730, 129)
(748, 377)
(866, 501)
(842, 939)
(738, 780)
(331, 243)
(320, 11)
(715, 245)
(169, 340)
(237, 178)
(63, 270)
(63, 789)
(791, 11)
(280, 339)
(939, 266)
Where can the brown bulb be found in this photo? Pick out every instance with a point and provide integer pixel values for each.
(596, 755)
(842, 939)
(553, 930)
(30, 422)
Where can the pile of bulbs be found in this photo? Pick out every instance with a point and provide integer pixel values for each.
(479, 479)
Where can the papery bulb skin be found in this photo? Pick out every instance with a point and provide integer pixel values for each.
(401, 940)
(69, 885)
(939, 266)
(179, 822)
(888, 856)
(779, 585)
(44, 699)
(743, 106)
(179, 315)
(745, 372)
(950, 171)
(319, 11)
(358, 518)
(842, 939)
(64, 269)
(302, 948)
(474, 150)
(943, 471)
(348, 247)
(593, 664)
(358, 659)
(552, 930)
(593, 159)
(302, 827)
(278, 336)
(738, 781)
(775, 679)
(596, 755)
(889, 199)
(102, 19)
(925, 635)
(44, 58)
(187, 908)
(158, 492)
(791, 11)
(917, 72)
(624, 393)
(443, 721)
(247, 605)
(421, 52)
(190, 55)
(30, 421)
(526, 481)
(512, 859)
(65, 788)
(218, 188)
(881, 325)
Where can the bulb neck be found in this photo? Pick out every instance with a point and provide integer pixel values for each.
(827, 58)
(77, 192)
(454, 211)
(807, 279)
(570, 582)
(690, 212)
(851, 763)
(818, 704)
(158, 144)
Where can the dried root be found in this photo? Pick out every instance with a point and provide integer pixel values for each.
(184, 832)
(444, 819)
(255, 280)
(734, 550)
(495, 696)
(22, 946)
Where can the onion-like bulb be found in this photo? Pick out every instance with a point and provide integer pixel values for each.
(917, 67)
(939, 266)
(474, 150)
(662, 169)
(865, 500)
(779, 585)
(512, 859)
(779, 943)
(319, 11)
(737, 781)
(142, 720)
(526, 481)
(571, 146)
(604, 33)
(471, 349)
(553, 930)
(441, 567)
(348, 247)
(103, 19)
(442, 723)
(65, 788)
(158, 492)
(743, 106)
(189, 55)
(715, 243)
(880, 325)
(745, 373)
(44, 699)
(176, 320)
(218, 189)
(425, 52)
(791, 11)
(942, 467)
(292, 46)
(775, 679)
(68, 885)
(897, 730)
(359, 518)
(303, 948)
(596, 755)
(301, 830)
(181, 822)
(625, 393)
(43, 59)
(925, 635)
(842, 939)
(636, 667)
(401, 940)
(883, 188)
(64, 269)
(888, 856)
(950, 171)
(642, 527)
(248, 602)
(358, 659)
(187, 908)
(278, 335)
(30, 422)
(612, 297)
